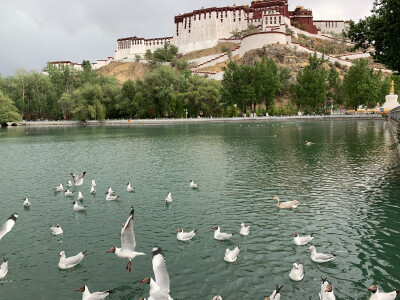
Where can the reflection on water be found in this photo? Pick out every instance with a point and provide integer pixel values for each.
(348, 183)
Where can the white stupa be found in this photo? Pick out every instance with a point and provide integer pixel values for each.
(391, 100)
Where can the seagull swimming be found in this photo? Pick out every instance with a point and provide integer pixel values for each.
(68, 193)
(92, 190)
(109, 197)
(78, 180)
(78, 207)
(56, 230)
(129, 188)
(69, 183)
(309, 143)
(4, 268)
(93, 296)
(218, 297)
(376, 295)
(222, 236)
(276, 295)
(326, 292)
(231, 255)
(301, 240)
(128, 242)
(297, 273)
(93, 182)
(8, 225)
(70, 262)
(26, 202)
(80, 196)
(320, 257)
(193, 185)
(159, 288)
(169, 198)
(110, 191)
(59, 188)
(287, 204)
(185, 236)
(244, 230)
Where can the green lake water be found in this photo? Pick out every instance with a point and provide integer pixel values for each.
(348, 183)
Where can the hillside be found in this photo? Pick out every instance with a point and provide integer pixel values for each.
(284, 57)
(125, 71)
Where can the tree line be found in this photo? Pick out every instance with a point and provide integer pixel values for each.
(64, 93)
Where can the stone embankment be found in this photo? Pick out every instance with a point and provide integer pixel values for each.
(203, 120)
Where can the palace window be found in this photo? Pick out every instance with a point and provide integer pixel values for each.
(209, 15)
(234, 20)
(194, 18)
(226, 14)
(199, 17)
(217, 15)
(240, 19)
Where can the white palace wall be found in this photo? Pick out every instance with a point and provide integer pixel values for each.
(331, 26)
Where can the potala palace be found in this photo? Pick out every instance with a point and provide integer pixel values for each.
(206, 27)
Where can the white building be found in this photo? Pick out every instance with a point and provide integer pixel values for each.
(330, 26)
(203, 28)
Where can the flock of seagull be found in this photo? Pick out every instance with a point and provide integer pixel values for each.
(159, 287)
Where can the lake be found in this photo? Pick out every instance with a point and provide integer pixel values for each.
(348, 183)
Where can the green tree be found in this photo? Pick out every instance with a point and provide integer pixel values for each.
(8, 111)
(381, 30)
(310, 89)
(362, 86)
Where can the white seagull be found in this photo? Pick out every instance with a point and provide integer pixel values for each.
(218, 297)
(326, 292)
(78, 180)
(128, 242)
(110, 197)
(8, 225)
(93, 182)
(69, 183)
(244, 230)
(276, 295)
(185, 236)
(231, 255)
(129, 188)
(320, 257)
(92, 190)
(301, 240)
(193, 185)
(309, 143)
(26, 202)
(377, 295)
(70, 262)
(159, 288)
(56, 230)
(287, 204)
(68, 193)
(297, 273)
(221, 236)
(4, 268)
(110, 191)
(59, 188)
(169, 198)
(93, 296)
(78, 207)
(80, 196)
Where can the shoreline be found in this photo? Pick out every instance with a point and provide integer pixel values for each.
(134, 122)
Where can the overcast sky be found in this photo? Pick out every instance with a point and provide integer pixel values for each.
(33, 32)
